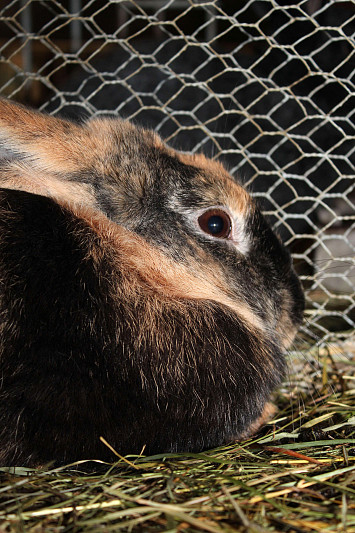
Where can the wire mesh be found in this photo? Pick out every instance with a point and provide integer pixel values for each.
(266, 86)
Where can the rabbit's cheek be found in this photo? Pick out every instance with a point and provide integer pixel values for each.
(290, 316)
(286, 329)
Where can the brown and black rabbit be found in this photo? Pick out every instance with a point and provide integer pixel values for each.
(143, 297)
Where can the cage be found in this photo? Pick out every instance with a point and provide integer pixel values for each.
(266, 86)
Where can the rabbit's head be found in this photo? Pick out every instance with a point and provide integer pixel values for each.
(152, 302)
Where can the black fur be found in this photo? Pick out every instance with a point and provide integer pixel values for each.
(74, 370)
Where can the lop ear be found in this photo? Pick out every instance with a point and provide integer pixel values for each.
(48, 142)
(39, 154)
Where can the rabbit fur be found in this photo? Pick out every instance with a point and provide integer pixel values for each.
(120, 316)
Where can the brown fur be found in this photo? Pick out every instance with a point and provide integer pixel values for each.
(121, 316)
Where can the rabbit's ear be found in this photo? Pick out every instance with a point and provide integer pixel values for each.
(47, 142)
(38, 152)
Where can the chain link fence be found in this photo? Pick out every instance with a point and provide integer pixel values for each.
(265, 86)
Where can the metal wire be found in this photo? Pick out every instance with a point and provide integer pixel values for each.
(265, 86)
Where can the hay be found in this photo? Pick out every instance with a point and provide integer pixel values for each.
(298, 475)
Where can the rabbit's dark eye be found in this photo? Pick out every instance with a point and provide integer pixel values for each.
(216, 222)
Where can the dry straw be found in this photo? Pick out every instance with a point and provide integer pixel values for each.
(297, 476)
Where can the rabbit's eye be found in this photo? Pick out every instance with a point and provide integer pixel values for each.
(216, 222)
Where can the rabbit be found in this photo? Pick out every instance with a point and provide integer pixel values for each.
(144, 299)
